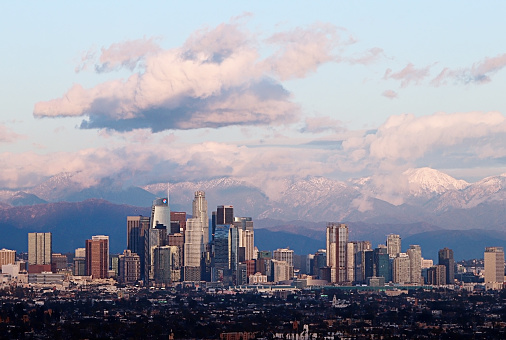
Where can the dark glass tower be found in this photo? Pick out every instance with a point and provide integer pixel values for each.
(445, 257)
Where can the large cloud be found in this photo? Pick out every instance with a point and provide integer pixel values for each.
(405, 139)
(216, 78)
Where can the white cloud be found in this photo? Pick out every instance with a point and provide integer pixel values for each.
(216, 78)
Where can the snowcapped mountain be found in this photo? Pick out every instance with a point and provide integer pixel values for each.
(416, 195)
(426, 182)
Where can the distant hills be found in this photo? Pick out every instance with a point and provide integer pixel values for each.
(424, 206)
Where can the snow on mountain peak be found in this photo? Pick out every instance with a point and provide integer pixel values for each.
(423, 181)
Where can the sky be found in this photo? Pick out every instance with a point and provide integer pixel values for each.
(148, 92)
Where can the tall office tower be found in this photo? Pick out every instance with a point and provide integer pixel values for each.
(221, 259)
(129, 267)
(58, 262)
(79, 262)
(97, 257)
(247, 236)
(193, 248)
(154, 237)
(382, 263)
(415, 256)
(319, 261)
(39, 248)
(263, 261)
(177, 240)
(164, 260)
(225, 214)
(445, 258)
(436, 275)
(80, 252)
(494, 264)
(199, 210)
(137, 229)
(281, 271)
(353, 248)
(393, 245)
(104, 237)
(337, 239)
(402, 269)
(283, 254)
(350, 262)
(235, 250)
(7, 257)
(160, 212)
(178, 222)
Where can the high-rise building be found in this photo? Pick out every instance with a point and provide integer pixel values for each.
(160, 213)
(178, 222)
(7, 257)
(382, 263)
(281, 271)
(58, 262)
(129, 267)
(194, 248)
(445, 258)
(337, 239)
(225, 214)
(494, 264)
(137, 229)
(165, 259)
(177, 240)
(393, 245)
(319, 261)
(415, 256)
(436, 275)
(283, 254)
(155, 237)
(97, 257)
(401, 269)
(199, 210)
(247, 235)
(39, 248)
(221, 258)
(353, 262)
(79, 262)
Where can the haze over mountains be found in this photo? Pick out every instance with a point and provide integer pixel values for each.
(420, 201)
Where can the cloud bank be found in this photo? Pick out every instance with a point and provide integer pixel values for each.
(216, 78)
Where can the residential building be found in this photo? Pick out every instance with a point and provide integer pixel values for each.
(337, 240)
(494, 264)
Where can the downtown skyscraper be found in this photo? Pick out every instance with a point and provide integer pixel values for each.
(196, 238)
(337, 240)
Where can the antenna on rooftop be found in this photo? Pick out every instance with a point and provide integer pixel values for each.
(168, 193)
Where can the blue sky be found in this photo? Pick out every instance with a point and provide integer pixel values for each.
(172, 91)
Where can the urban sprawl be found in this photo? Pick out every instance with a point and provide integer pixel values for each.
(197, 277)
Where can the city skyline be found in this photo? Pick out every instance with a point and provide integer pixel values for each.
(341, 91)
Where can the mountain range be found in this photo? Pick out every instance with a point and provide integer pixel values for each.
(418, 202)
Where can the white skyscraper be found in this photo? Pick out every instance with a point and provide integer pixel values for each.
(193, 249)
(393, 245)
(494, 264)
(415, 261)
(199, 211)
(39, 248)
(160, 213)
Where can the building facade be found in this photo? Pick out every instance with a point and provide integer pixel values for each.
(337, 240)
(494, 264)
(97, 257)
(39, 248)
